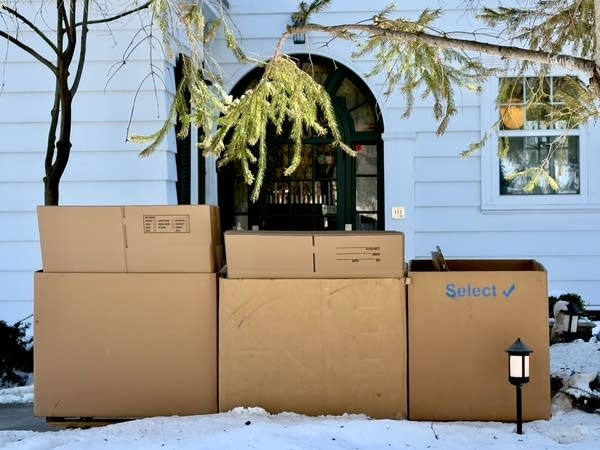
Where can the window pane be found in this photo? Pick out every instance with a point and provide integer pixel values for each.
(511, 90)
(366, 193)
(559, 155)
(366, 159)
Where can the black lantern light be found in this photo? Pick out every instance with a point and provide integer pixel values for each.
(518, 374)
(571, 318)
(298, 38)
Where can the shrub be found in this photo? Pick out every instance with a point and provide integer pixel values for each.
(16, 354)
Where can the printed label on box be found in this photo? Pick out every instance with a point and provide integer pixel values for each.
(473, 290)
(166, 224)
(357, 254)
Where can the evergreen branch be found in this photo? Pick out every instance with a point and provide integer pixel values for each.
(284, 94)
(568, 62)
(304, 12)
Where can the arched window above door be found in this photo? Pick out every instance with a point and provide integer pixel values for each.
(330, 190)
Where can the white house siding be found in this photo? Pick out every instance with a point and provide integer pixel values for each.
(103, 169)
(446, 196)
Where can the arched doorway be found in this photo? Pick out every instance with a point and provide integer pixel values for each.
(330, 190)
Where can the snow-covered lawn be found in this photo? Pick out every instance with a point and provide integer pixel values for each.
(252, 428)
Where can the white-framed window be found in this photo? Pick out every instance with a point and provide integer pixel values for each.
(525, 140)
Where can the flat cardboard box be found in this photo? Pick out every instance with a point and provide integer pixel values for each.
(313, 346)
(125, 344)
(460, 324)
(353, 254)
(166, 238)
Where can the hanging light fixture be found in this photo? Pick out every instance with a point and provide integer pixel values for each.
(298, 38)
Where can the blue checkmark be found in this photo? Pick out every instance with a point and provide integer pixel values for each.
(508, 292)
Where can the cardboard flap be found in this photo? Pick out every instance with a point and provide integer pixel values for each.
(86, 238)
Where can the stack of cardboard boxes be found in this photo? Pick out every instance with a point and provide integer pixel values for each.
(314, 323)
(126, 311)
(126, 322)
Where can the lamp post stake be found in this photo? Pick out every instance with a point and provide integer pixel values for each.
(519, 411)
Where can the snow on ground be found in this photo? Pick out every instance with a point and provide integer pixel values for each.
(252, 428)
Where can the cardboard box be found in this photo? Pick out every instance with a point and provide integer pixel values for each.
(168, 238)
(125, 345)
(313, 346)
(268, 254)
(460, 324)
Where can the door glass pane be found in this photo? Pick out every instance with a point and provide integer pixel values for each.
(364, 119)
(366, 194)
(349, 94)
(366, 222)
(366, 159)
(241, 196)
(318, 71)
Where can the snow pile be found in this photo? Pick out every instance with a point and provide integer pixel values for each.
(576, 364)
(22, 394)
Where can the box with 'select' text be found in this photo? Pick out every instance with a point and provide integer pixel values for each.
(461, 321)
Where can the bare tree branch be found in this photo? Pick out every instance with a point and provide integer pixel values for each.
(29, 50)
(26, 21)
(82, 47)
(118, 16)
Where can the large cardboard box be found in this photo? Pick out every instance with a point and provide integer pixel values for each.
(460, 323)
(125, 345)
(358, 254)
(166, 238)
(313, 346)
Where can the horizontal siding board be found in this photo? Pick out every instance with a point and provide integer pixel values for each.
(241, 6)
(18, 226)
(20, 256)
(117, 193)
(524, 244)
(447, 194)
(114, 166)
(91, 106)
(21, 283)
(450, 144)
(32, 77)
(588, 290)
(437, 169)
(572, 268)
(85, 166)
(21, 166)
(86, 136)
(21, 196)
(14, 311)
(469, 218)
